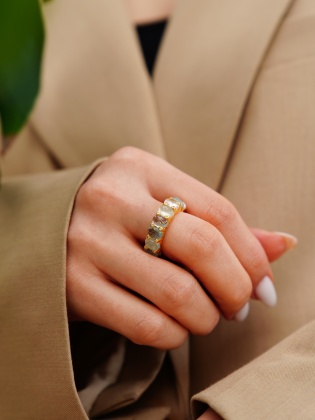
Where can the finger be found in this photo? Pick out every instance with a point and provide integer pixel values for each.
(102, 302)
(202, 248)
(171, 288)
(212, 207)
(164, 180)
(275, 244)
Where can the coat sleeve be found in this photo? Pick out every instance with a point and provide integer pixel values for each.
(35, 365)
(44, 360)
(278, 385)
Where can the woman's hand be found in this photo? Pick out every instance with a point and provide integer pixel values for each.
(112, 282)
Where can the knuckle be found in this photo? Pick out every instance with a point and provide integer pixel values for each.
(91, 191)
(149, 330)
(128, 154)
(178, 292)
(95, 195)
(208, 324)
(80, 237)
(257, 262)
(75, 233)
(223, 213)
(135, 159)
(132, 162)
(240, 294)
(202, 243)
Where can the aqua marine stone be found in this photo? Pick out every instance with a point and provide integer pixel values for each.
(183, 205)
(174, 204)
(159, 221)
(152, 245)
(155, 233)
(166, 211)
(156, 254)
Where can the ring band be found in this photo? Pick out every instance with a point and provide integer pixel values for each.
(160, 223)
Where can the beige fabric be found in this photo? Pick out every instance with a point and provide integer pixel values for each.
(278, 385)
(36, 373)
(232, 103)
(204, 75)
(19, 160)
(270, 180)
(87, 109)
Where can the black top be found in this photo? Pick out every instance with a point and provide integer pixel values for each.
(150, 36)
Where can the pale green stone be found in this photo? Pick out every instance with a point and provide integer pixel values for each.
(166, 211)
(159, 222)
(175, 205)
(155, 233)
(156, 254)
(152, 245)
(183, 205)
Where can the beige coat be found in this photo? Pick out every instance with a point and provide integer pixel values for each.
(232, 102)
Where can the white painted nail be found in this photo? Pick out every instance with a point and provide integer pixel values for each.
(266, 292)
(241, 315)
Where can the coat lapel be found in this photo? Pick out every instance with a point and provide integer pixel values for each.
(96, 94)
(205, 71)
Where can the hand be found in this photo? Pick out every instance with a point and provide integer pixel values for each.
(112, 282)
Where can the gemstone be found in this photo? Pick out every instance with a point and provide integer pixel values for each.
(156, 254)
(152, 245)
(175, 205)
(159, 221)
(155, 233)
(166, 211)
(183, 205)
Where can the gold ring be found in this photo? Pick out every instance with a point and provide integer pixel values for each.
(160, 223)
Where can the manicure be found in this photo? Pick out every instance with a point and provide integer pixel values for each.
(290, 241)
(241, 315)
(266, 292)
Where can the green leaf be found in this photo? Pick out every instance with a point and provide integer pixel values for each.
(21, 46)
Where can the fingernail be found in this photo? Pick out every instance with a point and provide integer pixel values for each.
(241, 315)
(289, 240)
(266, 292)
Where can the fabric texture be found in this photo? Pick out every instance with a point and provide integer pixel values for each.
(35, 362)
(265, 388)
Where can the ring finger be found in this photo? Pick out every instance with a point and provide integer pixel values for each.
(202, 248)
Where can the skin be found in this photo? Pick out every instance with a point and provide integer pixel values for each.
(113, 283)
(144, 11)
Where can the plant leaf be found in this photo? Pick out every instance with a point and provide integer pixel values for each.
(21, 46)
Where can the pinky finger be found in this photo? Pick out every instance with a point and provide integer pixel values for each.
(102, 302)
